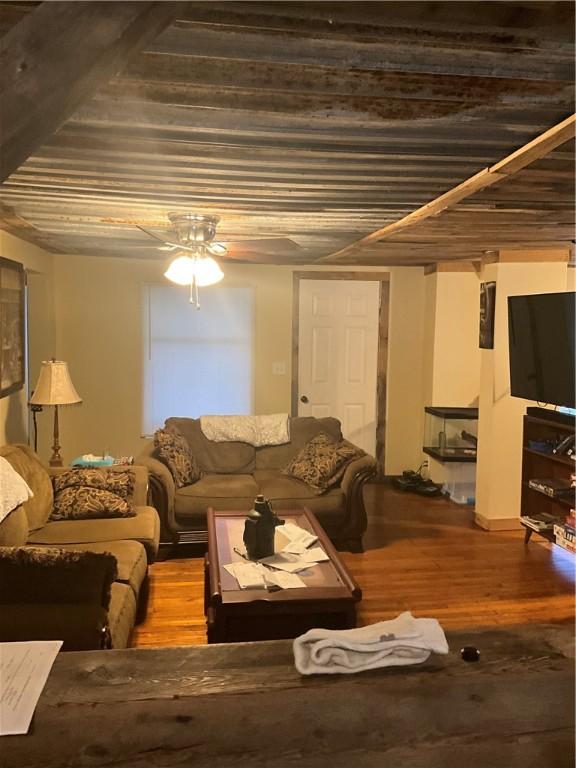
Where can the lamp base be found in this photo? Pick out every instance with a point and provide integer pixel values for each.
(56, 458)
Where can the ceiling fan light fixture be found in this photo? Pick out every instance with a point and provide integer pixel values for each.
(201, 270)
(207, 271)
(180, 270)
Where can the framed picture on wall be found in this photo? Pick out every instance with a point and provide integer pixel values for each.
(12, 285)
(487, 305)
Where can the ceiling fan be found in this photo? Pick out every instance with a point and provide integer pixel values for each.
(191, 241)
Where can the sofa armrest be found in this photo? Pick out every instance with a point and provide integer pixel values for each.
(39, 575)
(161, 489)
(81, 627)
(352, 485)
(359, 468)
(48, 593)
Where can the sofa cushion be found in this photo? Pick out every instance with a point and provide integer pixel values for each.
(302, 429)
(52, 575)
(224, 492)
(144, 527)
(287, 493)
(228, 458)
(173, 449)
(322, 462)
(83, 503)
(27, 464)
(130, 558)
(14, 529)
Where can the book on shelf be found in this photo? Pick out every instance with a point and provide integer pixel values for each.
(565, 543)
(564, 531)
(537, 524)
(552, 487)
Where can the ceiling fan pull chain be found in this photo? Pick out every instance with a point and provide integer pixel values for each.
(194, 294)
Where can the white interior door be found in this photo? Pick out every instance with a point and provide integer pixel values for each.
(338, 355)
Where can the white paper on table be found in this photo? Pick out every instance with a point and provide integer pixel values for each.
(283, 561)
(248, 575)
(284, 580)
(298, 546)
(290, 530)
(295, 534)
(24, 669)
(314, 555)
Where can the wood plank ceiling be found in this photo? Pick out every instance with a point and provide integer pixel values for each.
(318, 122)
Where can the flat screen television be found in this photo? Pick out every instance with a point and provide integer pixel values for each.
(541, 342)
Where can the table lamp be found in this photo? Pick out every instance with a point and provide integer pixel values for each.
(54, 387)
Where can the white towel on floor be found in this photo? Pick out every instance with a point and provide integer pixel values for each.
(403, 640)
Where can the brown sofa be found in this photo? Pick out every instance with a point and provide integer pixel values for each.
(132, 541)
(234, 473)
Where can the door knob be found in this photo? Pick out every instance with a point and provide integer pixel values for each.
(303, 399)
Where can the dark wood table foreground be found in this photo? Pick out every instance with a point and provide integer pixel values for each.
(224, 705)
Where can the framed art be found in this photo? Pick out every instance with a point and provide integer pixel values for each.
(12, 345)
(487, 306)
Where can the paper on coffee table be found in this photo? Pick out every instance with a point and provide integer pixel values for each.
(248, 575)
(256, 576)
(284, 561)
(284, 580)
(314, 555)
(298, 539)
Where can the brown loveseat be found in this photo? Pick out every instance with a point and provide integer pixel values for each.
(54, 613)
(234, 473)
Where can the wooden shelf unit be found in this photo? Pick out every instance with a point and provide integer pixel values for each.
(542, 427)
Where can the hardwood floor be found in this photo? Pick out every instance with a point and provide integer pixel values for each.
(422, 555)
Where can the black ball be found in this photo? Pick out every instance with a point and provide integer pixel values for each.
(470, 653)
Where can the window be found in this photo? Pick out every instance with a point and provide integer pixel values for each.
(197, 362)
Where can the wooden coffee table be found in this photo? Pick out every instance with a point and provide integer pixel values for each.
(238, 615)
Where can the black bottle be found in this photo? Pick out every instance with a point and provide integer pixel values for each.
(259, 529)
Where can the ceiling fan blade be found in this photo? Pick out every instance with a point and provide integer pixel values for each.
(265, 244)
(168, 247)
(157, 237)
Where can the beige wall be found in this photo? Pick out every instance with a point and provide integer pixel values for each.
(498, 479)
(405, 379)
(98, 317)
(39, 268)
(451, 352)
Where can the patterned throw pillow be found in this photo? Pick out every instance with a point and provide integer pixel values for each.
(81, 494)
(120, 483)
(322, 462)
(173, 449)
(81, 502)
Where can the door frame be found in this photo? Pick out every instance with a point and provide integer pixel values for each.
(382, 356)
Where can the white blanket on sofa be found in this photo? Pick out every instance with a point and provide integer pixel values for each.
(272, 429)
(403, 640)
(14, 490)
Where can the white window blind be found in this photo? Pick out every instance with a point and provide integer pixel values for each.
(197, 362)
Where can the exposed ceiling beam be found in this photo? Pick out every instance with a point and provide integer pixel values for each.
(534, 150)
(56, 57)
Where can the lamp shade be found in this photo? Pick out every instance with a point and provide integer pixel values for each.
(54, 385)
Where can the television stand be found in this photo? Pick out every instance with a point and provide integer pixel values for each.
(546, 476)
